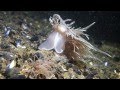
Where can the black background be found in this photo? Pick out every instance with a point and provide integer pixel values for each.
(105, 13)
(107, 26)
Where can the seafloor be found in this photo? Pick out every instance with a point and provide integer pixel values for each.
(20, 46)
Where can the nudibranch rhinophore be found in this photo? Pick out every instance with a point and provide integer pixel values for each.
(65, 39)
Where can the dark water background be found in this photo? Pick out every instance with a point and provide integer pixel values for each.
(107, 25)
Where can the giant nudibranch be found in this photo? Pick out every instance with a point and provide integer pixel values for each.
(66, 39)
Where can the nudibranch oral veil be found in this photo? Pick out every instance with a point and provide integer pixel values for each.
(64, 38)
(54, 41)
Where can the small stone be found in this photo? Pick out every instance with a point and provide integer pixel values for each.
(106, 63)
(91, 63)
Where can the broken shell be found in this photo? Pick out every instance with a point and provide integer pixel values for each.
(11, 65)
(18, 42)
(24, 26)
(7, 31)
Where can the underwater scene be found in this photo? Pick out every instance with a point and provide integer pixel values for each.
(59, 45)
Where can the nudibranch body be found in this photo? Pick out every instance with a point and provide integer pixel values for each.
(66, 39)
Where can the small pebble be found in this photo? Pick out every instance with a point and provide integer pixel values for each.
(106, 63)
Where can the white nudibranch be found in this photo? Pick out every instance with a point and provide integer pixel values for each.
(66, 39)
